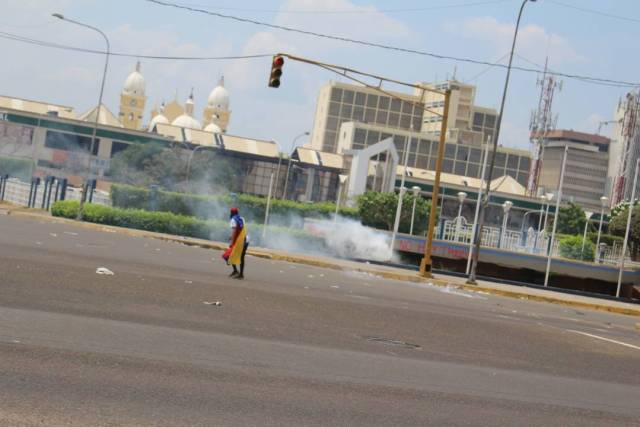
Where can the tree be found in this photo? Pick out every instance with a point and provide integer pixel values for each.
(571, 220)
(618, 226)
(378, 210)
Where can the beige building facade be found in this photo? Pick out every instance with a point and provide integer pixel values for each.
(586, 169)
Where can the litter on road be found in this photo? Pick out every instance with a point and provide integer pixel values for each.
(215, 303)
(104, 270)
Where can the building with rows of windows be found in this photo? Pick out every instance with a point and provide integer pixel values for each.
(350, 117)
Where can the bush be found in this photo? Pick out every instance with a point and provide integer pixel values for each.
(571, 247)
(378, 210)
(169, 223)
(252, 207)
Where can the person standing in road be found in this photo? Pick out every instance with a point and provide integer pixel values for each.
(239, 243)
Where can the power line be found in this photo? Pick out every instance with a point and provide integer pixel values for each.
(345, 12)
(382, 46)
(43, 43)
(595, 12)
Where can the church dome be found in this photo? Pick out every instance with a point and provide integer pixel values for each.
(158, 119)
(212, 127)
(135, 84)
(186, 121)
(219, 96)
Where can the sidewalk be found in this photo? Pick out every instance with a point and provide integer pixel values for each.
(392, 273)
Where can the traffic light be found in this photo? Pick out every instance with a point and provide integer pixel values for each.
(276, 71)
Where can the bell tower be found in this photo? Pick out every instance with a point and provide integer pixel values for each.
(132, 100)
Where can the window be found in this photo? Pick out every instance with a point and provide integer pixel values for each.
(425, 146)
(395, 105)
(422, 162)
(525, 163)
(372, 101)
(332, 123)
(360, 98)
(405, 121)
(447, 166)
(407, 107)
(512, 161)
(478, 119)
(473, 170)
(336, 94)
(475, 155)
(383, 102)
(347, 111)
(358, 114)
(381, 117)
(463, 153)
(393, 119)
(399, 142)
(501, 159)
(334, 109)
(373, 137)
(460, 168)
(360, 136)
(369, 115)
(347, 96)
(490, 121)
(69, 142)
(450, 151)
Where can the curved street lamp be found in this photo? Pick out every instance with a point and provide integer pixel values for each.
(293, 147)
(95, 124)
(485, 202)
(506, 207)
(603, 203)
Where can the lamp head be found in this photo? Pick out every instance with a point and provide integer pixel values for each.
(604, 200)
(416, 190)
(461, 196)
(58, 15)
(506, 206)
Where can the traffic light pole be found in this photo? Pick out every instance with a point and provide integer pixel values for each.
(425, 264)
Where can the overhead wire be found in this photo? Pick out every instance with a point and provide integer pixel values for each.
(18, 38)
(346, 12)
(383, 46)
(595, 12)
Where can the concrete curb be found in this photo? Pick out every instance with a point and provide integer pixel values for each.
(314, 262)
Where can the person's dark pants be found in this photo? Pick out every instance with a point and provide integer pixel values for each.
(244, 252)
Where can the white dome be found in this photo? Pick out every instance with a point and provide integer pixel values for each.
(186, 121)
(219, 96)
(135, 84)
(157, 119)
(212, 127)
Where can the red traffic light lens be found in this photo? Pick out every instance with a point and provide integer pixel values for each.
(278, 61)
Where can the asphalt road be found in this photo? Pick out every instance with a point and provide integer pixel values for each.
(290, 346)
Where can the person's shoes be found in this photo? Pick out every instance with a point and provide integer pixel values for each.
(234, 274)
(239, 276)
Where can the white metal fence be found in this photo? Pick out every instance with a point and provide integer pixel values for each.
(17, 192)
(528, 241)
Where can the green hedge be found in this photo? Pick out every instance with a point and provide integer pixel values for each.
(251, 207)
(608, 239)
(571, 247)
(169, 223)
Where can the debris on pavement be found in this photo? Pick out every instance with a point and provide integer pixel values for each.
(71, 233)
(188, 281)
(215, 303)
(53, 235)
(105, 271)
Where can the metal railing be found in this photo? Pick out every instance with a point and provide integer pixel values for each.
(529, 241)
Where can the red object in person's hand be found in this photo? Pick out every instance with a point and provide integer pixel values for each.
(226, 254)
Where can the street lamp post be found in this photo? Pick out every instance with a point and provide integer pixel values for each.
(485, 202)
(95, 123)
(190, 159)
(626, 233)
(396, 225)
(506, 207)
(555, 222)
(584, 236)
(286, 179)
(461, 196)
(416, 193)
(603, 203)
